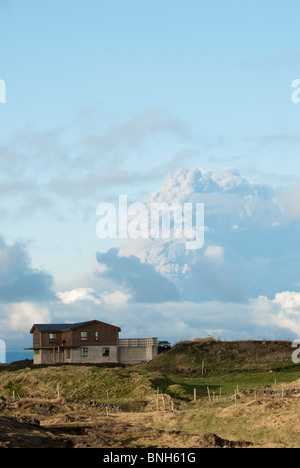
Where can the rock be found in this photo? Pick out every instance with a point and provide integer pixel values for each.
(255, 403)
(29, 420)
(211, 440)
(43, 408)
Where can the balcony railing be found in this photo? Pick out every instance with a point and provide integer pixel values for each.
(138, 342)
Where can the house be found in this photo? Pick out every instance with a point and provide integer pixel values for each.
(88, 342)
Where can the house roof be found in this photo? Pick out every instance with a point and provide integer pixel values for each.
(51, 327)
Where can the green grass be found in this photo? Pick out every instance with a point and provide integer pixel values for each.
(136, 383)
(13, 389)
(111, 386)
(240, 373)
(134, 388)
(177, 373)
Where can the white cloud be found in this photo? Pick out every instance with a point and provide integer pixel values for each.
(288, 301)
(228, 288)
(21, 316)
(117, 298)
(214, 252)
(282, 312)
(242, 218)
(79, 294)
(138, 129)
(289, 201)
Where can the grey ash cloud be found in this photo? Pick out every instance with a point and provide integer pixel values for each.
(18, 280)
(144, 283)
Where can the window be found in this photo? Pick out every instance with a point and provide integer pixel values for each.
(96, 336)
(105, 352)
(52, 337)
(84, 336)
(84, 352)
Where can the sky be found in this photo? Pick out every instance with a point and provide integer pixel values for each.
(187, 101)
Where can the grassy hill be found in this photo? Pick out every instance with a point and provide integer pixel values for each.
(160, 395)
(225, 365)
(120, 387)
(176, 373)
(187, 356)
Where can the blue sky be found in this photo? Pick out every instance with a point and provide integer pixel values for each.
(214, 64)
(110, 97)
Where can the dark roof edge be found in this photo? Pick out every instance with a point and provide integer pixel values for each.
(51, 327)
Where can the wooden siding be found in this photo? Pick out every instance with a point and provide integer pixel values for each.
(107, 336)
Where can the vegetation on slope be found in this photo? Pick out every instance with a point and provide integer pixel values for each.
(161, 394)
(176, 373)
